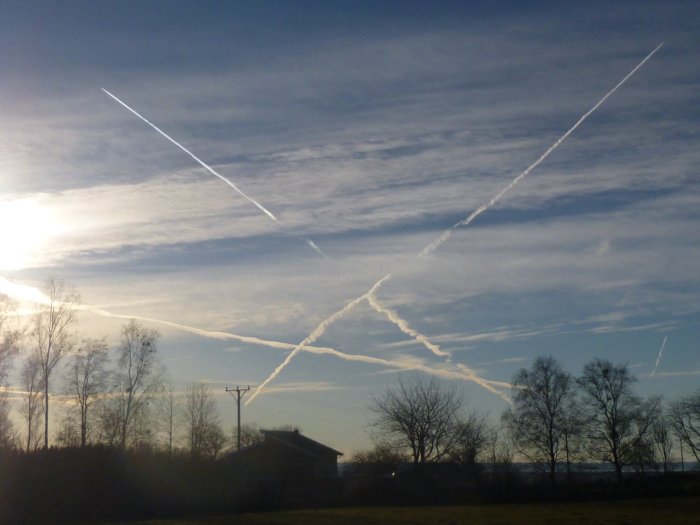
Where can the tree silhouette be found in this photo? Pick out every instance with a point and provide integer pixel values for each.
(538, 423)
(51, 335)
(421, 417)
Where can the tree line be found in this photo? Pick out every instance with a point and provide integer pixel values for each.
(128, 444)
(116, 397)
(555, 420)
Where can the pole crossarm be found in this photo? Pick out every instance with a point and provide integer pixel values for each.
(238, 394)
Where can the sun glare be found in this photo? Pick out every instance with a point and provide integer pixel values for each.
(25, 229)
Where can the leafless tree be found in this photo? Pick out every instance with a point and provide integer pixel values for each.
(10, 336)
(137, 380)
(537, 422)
(379, 461)
(69, 433)
(250, 435)
(8, 435)
(617, 421)
(661, 438)
(420, 417)
(684, 416)
(32, 382)
(51, 335)
(572, 434)
(168, 408)
(108, 420)
(500, 462)
(86, 380)
(201, 422)
(474, 434)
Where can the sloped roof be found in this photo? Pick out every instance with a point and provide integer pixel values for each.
(292, 438)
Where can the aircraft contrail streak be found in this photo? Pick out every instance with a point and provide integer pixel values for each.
(391, 315)
(403, 325)
(215, 173)
(481, 209)
(321, 328)
(31, 294)
(658, 358)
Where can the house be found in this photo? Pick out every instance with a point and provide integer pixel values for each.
(287, 467)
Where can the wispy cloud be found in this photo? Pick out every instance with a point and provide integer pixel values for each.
(28, 293)
(213, 172)
(507, 360)
(442, 238)
(680, 373)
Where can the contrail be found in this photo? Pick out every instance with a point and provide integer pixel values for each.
(28, 293)
(466, 375)
(658, 358)
(216, 174)
(318, 332)
(481, 209)
(403, 325)
(321, 328)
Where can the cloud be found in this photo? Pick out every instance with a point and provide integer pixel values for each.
(372, 145)
(678, 373)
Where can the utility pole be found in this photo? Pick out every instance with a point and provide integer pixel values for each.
(238, 394)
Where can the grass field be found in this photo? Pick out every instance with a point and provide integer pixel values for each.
(668, 511)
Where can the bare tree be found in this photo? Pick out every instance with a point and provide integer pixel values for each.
(537, 422)
(201, 422)
(137, 380)
(69, 433)
(380, 460)
(108, 420)
(168, 408)
(662, 441)
(420, 417)
(32, 382)
(51, 335)
(86, 380)
(684, 416)
(10, 336)
(500, 460)
(250, 435)
(8, 435)
(474, 434)
(617, 421)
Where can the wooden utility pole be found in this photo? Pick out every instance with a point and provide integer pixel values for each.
(238, 394)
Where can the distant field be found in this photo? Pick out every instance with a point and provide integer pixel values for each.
(675, 511)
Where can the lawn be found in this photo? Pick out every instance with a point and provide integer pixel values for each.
(668, 511)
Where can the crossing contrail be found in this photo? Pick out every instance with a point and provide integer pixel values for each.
(391, 315)
(216, 174)
(658, 358)
(318, 332)
(31, 294)
(321, 328)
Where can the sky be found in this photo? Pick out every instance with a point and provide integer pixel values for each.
(368, 128)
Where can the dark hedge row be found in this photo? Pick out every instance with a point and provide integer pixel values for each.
(98, 483)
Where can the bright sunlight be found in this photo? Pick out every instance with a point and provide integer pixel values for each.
(25, 229)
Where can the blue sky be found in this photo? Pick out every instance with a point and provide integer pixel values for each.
(369, 127)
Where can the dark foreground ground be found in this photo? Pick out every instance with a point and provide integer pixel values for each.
(665, 511)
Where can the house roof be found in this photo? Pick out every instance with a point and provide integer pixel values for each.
(292, 438)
